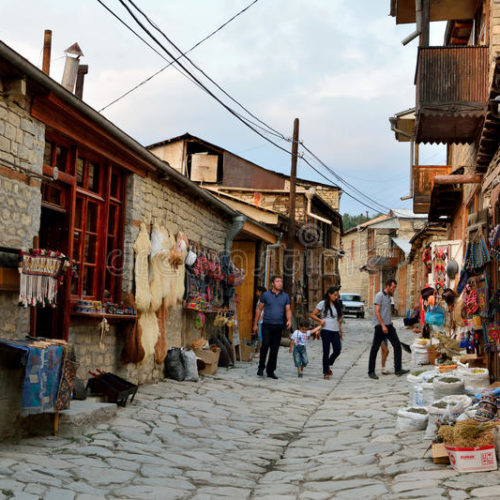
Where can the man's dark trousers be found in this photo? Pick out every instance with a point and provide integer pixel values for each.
(378, 337)
(271, 338)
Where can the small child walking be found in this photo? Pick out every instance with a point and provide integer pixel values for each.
(298, 341)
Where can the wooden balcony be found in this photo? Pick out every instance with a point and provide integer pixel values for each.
(451, 93)
(423, 182)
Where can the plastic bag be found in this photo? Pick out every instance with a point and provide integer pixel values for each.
(428, 393)
(435, 316)
(174, 368)
(455, 406)
(411, 421)
(190, 366)
(420, 355)
(447, 386)
(474, 378)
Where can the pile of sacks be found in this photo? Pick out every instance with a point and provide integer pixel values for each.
(433, 395)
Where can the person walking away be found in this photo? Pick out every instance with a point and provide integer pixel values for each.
(298, 342)
(277, 313)
(328, 313)
(258, 293)
(382, 322)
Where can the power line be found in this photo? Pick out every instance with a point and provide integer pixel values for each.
(162, 33)
(342, 180)
(243, 119)
(238, 103)
(170, 63)
(345, 192)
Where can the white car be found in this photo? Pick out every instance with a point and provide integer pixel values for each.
(352, 304)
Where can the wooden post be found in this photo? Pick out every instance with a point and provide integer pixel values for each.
(289, 260)
(424, 37)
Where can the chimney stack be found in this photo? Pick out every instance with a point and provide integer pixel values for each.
(83, 69)
(71, 67)
(47, 48)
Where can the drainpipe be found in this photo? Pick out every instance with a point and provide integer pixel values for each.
(266, 265)
(310, 194)
(418, 19)
(237, 226)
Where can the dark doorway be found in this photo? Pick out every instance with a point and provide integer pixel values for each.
(53, 235)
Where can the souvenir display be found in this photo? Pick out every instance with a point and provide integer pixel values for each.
(210, 280)
(41, 273)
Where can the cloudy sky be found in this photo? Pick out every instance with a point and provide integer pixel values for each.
(337, 65)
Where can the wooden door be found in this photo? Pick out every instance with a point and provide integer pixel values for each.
(401, 291)
(243, 254)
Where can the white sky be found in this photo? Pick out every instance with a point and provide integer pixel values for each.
(337, 65)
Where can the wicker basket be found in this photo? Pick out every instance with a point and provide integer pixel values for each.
(433, 355)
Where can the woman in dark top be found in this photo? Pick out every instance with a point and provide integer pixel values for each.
(328, 313)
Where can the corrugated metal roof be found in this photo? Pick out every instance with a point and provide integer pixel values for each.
(404, 244)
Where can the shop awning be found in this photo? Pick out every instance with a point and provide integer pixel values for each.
(404, 244)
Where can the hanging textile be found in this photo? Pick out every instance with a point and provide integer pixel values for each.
(41, 273)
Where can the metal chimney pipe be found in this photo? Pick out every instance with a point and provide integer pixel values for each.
(83, 69)
(47, 49)
(70, 72)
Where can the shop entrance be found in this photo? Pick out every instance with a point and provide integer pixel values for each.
(49, 321)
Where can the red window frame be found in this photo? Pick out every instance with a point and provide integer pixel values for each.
(93, 191)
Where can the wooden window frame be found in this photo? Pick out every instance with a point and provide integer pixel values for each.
(103, 199)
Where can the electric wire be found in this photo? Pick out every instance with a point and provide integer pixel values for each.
(248, 123)
(170, 63)
(162, 33)
(376, 210)
(338, 177)
(342, 180)
(195, 79)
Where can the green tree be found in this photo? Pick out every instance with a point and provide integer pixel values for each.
(349, 221)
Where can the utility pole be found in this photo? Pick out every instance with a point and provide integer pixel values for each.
(289, 260)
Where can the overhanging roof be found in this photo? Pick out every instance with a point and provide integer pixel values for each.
(9, 58)
(404, 244)
(403, 125)
(440, 10)
(391, 223)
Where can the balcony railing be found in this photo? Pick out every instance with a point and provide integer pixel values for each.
(452, 93)
(423, 182)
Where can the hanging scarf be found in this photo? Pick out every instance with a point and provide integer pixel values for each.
(41, 273)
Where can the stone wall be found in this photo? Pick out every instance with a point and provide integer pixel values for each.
(21, 153)
(148, 201)
(22, 140)
(355, 256)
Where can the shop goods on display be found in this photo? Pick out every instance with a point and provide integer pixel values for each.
(412, 419)
(41, 273)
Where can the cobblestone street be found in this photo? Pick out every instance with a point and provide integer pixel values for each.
(238, 436)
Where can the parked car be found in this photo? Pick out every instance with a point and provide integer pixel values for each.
(352, 304)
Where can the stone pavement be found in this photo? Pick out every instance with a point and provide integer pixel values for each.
(235, 435)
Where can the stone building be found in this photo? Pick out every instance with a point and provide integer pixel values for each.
(73, 182)
(376, 251)
(265, 195)
(457, 105)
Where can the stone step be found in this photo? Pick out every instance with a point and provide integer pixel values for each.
(81, 417)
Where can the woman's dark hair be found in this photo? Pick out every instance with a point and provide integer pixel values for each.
(261, 289)
(337, 303)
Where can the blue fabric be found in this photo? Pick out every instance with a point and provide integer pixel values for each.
(300, 355)
(274, 307)
(41, 380)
